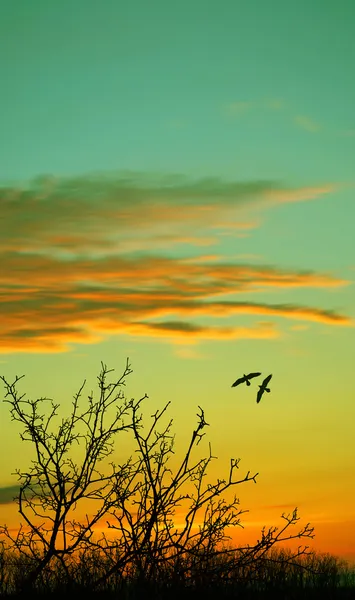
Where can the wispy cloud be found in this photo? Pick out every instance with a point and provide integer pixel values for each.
(235, 109)
(189, 353)
(80, 262)
(100, 214)
(299, 327)
(307, 123)
(240, 107)
(275, 104)
(235, 228)
(183, 332)
(347, 133)
(301, 194)
(176, 124)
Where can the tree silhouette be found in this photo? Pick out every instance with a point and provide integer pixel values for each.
(54, 484)
(138, 498)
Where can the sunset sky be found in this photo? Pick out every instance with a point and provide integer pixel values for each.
(177, 187)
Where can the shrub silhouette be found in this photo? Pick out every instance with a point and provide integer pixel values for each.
(137, 499)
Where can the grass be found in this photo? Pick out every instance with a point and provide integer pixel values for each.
(276, 575)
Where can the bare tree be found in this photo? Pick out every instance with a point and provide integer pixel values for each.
(55, 483)
(138, 499)
(146, 535)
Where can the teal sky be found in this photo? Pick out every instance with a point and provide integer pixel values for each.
(252, 89)
(177, 186)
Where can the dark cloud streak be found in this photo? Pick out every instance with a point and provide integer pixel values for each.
(8, 493)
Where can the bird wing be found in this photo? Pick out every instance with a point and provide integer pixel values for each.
(251, 375)
(259, 394)
(266, 380)
(238, 381)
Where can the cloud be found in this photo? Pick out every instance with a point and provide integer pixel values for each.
(131, 212)
(181, 331)
(278, 105)
(278, 310)
(189, 353)
(235, 109)
(307, 124)
(48, 303)
(8, 493)
(348, 133)
(301, 195)
(235, 228)
(275, 104)
(299, 327)
(176, 124)
(80, 262)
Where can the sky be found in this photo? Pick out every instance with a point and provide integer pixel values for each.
(177, 187)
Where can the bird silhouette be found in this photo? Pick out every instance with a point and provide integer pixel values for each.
(263, 388)
(245, 379)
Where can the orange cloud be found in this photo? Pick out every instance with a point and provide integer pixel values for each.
(77, 262)
(48, 303)
(306, 193)
(181, 331)
(279, 310)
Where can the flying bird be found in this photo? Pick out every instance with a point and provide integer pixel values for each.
(263, 388)
(245, 379)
